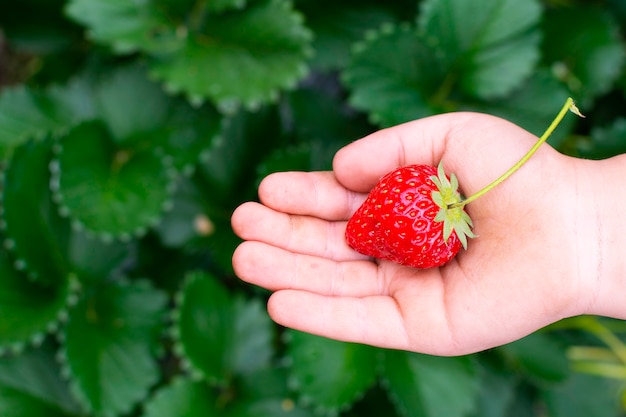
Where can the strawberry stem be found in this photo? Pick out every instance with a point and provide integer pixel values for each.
(568, 106)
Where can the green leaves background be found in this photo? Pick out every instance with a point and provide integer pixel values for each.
(129, 131)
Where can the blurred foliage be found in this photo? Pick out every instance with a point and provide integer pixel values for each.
(130, 130)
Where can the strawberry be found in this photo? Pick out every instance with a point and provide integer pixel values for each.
(415, 215)
(407, 218)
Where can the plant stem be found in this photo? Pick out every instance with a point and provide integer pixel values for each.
(568, 106)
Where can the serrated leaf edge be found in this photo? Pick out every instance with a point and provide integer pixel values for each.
(105, 236)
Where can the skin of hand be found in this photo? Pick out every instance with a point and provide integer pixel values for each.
(545, 246)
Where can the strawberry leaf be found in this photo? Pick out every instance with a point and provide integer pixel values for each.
(584, 47)
(94, 260)
(532, 106)
(109, 344)
(584, 395)
(183, 397)
(270, 55)
(131, 106)
(219, 336)
(29, 310)
(127, 25)
(28, 211)
(27, 113)
(15, 403)
(202, 51)
(393, 88)
(539, 356)
(417, 383)
(490, 54)
(127, 191)
(34, 380)
(327, 374)
(604, 142)
(265, 393)
(337, 25)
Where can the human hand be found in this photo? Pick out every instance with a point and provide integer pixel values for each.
(537, 259)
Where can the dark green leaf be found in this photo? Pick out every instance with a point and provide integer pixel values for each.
(534, 106)
(430, 386)
(127, 25)
(539, 357)
(491, 53)
(269, 55)
(129, 104)
(328, 374)
(95, 260)
(584, 47)
(187, 219)
(109, 345)
(584, 395)
(265, 393)
(604, 142)
(26, 113)
(35, 376)
(29, 310)
(497, 393)
(111, 191)
(217, 336)
(14, 403)
(183, 397)
(393, 88)
(29, 213)
(337, 25)
(229, 166)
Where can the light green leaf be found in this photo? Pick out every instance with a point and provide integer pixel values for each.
(585, 49)
(29, 310)
(219, 336)
(29, 213)
(430, 386)
(109, 345)
(393, 88)
(110, 191)
(328, 374)
(490, 47)
(230, 66)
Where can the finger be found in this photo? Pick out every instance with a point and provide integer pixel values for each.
(295, 233)
(317, 194)
(276, 269)
(462, 140)
(374, 320)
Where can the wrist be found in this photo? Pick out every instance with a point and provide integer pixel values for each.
(602, 241)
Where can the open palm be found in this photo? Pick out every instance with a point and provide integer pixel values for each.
(520, 274)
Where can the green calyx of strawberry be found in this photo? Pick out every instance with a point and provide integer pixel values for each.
(448, 199)
(454, 218)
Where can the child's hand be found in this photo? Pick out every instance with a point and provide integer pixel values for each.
(538, 256)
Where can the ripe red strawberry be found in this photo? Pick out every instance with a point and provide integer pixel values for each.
(414, 216)
(407, 218)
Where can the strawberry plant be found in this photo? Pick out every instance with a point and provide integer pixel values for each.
(129, 131)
